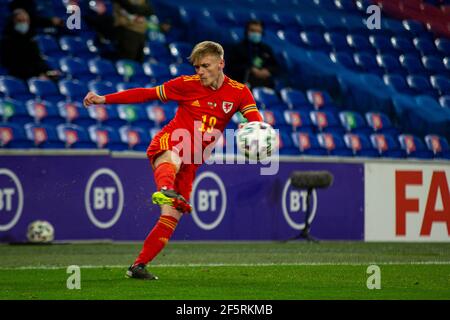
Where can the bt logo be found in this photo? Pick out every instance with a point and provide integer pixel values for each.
(104, 198)
(11, 199)
(209, 200)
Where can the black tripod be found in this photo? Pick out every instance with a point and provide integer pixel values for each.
(309, 180)
(304, 233)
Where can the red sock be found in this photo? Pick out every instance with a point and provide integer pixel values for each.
(165, 175)
(157, 239)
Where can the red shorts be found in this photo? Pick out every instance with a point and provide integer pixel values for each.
(185, 176)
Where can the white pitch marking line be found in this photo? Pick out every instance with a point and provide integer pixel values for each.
(236, 265)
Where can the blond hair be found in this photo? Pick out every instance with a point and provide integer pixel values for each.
(204, 48)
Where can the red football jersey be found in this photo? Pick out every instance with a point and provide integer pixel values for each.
(203, 111)
(213, 108)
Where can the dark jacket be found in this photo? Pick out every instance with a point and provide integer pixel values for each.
(20, 54)
(244, 55)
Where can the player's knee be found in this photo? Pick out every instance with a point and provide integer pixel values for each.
(170, 211)
(170, 157)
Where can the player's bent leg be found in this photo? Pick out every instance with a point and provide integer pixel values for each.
(173, 199)
(166, 166)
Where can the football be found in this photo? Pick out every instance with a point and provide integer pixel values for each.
(40, 231)
(256, 140)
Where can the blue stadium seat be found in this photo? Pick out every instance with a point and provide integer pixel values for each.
(392, 27)
(308, 22)
(420, 84)
(325, 121)
(354, 24)
(380, 123)
(44, 90)
(337, 41)
(382, 44)
(354, 122)
(12, 111)
(76, 69)
(445, 101)
(158, 72)
(298, 120)
(360, 145)
(434, 65)
(268, 98)
(44, 112)
(441, 85)
(438, 145)
(134, 115)
(390, 64)
(104, 70)
(313, 41)
(412, 64)
(131, 71)
(387, 146)
(443, 45)
(52, 62)
(334, 144)
(415, 28)
(101, 87)
(274, 117)
(288, 20)
(180, 51)
(75, 113)
(368, 63)
(160, 114)
(345, 59)
(447, 64)
(43, 136)
(321, 100)
(106, 115)
(13, 136)
(135, 138)
(106, 138)
(74, 137)
(158, 52)
(398, 82)
(73, 90)
(414, 147)
(14, 88)
(346, 5)
(76, 47)
(183, 69)
(307, 144)
(427, 102)
(295, 99)
(49, 46)
(285, 143)
(403, 45)
(360, 44)
(224, 18)
(425, 46)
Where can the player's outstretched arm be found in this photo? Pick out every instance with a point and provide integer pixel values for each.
(93, 98)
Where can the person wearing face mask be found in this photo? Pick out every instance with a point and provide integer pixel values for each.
(20, 54)
(252, 61)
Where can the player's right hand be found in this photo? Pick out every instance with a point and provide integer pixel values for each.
(93, 98)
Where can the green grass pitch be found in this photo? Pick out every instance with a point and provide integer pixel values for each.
(230, 271)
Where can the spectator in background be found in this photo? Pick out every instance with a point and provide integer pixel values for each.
(252, 61)
(130, 20)
(36, 21)
(20, 54)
